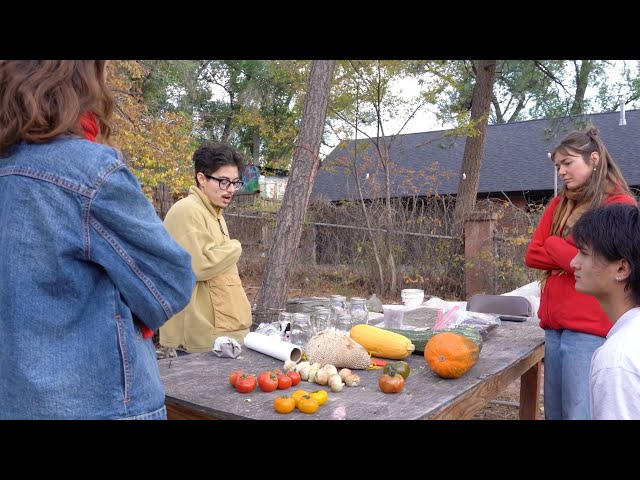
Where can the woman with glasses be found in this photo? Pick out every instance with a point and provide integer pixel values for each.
(219, 305)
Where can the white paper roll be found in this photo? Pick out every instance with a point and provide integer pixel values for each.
(272, 346)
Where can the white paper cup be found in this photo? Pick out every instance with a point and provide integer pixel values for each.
(412, 297)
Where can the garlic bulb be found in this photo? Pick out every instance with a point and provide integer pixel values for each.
(313, 370)
(335, 383)
(330, 369)
(301, 365)
(352, 380)
(288, 365)
(322, 377)
(304, 372)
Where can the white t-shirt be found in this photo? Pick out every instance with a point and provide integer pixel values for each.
(615, 371)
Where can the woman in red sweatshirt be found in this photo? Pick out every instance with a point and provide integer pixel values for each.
(574, 323)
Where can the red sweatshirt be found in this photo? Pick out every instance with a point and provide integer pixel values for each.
(561, 306)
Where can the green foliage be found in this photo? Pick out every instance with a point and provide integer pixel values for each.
(230, 100)
(530, 89)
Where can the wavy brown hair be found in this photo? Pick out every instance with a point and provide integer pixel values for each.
(605, 176)
(43, 99)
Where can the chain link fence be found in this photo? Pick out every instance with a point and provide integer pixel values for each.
(349, 247)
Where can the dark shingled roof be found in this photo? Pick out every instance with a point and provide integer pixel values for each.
(515, 159)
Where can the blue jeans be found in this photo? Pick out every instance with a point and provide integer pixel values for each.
(160, 414)
(567, 361)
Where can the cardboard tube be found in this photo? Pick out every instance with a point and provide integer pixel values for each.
(272, 346)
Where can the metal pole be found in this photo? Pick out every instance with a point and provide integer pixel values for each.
(555, 177)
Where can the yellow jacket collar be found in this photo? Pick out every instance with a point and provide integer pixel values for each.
(215, 211)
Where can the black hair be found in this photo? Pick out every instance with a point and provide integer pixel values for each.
(612, 232)
(210, 156)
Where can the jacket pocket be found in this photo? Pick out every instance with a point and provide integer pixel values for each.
(231, 309)
(124, 358)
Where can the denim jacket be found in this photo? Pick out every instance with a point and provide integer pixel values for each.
(83, 256)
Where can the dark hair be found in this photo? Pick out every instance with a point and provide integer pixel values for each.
(210, 156)
(43, 99)
(586, 142)
(612, 232)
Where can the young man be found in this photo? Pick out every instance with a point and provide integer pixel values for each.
(607, 267)
(219, 305)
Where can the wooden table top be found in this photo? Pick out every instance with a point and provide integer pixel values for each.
(200, 382)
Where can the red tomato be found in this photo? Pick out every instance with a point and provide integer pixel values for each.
(245, 383)
(234, 376)
(391, 383)
(277, 371)
(267, 381)
(294, 376)
(284, 382)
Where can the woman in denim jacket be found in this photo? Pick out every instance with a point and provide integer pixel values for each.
(85, 259)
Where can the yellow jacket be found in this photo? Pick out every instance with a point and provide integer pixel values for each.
(219, 305)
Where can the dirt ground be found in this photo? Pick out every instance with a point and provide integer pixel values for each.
(506, 405)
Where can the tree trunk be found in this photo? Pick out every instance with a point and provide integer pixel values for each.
(283, 253)
(474, 146)
(391, 262)
(255, 149)
(582, 82)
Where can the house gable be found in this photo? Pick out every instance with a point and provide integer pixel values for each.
(515, 160)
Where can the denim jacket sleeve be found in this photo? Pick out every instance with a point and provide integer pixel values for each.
(125, 236)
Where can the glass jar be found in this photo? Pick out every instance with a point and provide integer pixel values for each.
(343, 323)
(321, 320)
(359, 311)
(285, 319)
(301, 329)
(337, 304)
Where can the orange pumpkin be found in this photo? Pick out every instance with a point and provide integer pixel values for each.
(451, 355)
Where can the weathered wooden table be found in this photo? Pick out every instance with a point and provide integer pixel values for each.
(197, 385)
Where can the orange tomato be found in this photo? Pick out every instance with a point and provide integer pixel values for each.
(306, 404)
(321, 396)
(298, 394)
(284, 404)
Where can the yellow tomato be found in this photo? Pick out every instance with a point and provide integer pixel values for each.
(306, 404)
(284, 404)
(297, 394)
(320, 396)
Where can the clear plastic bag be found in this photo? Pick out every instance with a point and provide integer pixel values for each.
(483, 323)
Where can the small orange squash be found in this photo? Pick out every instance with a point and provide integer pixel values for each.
(451, 355)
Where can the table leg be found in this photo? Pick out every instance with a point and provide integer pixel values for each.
(530, 392)
(179, 412)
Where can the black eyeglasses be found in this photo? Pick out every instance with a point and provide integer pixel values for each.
(225, 182)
